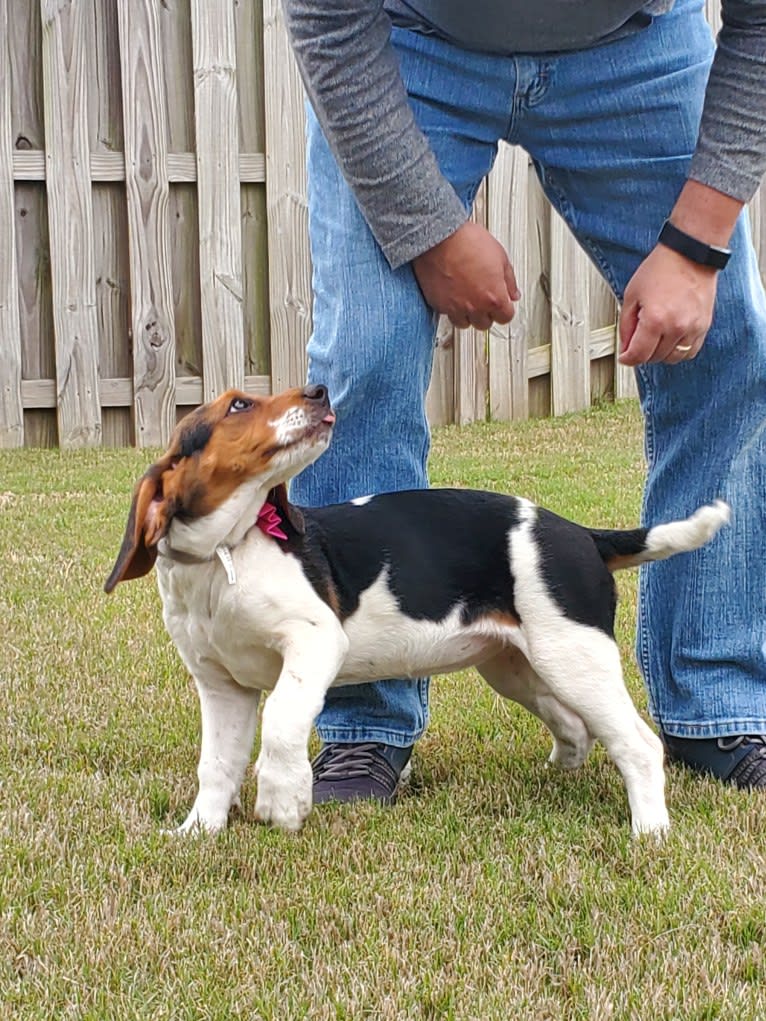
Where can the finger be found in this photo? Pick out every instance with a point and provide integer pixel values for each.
(627, 325)
(641, 346)
(510, 283)
(459, 319)
(667, 348)
(502, 313)
(685, 349)
(502, 308)
(481, 320)
(678, 345)
(679, 352)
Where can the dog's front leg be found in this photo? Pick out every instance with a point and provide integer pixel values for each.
(312, 657)
(229, 718)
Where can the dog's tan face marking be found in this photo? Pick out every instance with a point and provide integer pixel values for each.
(214, 450)
(235, 437)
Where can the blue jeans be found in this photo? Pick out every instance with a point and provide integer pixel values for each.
(611, 132)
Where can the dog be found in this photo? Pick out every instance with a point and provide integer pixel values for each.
(261, 595)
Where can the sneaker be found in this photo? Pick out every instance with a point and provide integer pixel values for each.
(355, 772)
(738, 760)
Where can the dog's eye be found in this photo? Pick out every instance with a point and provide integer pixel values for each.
(239, 404)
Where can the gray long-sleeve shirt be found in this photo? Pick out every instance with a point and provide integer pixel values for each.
(352, 78)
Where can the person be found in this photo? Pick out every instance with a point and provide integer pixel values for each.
(634, 119)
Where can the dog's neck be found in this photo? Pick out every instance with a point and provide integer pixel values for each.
(223, 528)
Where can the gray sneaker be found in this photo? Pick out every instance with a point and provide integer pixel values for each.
(738, 760)
(356, 772)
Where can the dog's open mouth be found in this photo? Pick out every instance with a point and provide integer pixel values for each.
(322, 427)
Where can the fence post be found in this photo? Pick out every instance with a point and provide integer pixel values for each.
(508, 345)
(290, 294)
(70, 219)
(147, 192)
(220, 228)
(570, 322)
(11, 410)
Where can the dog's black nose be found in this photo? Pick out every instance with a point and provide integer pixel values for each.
(316, 393)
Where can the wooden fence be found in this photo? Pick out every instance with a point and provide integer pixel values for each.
(153, 236)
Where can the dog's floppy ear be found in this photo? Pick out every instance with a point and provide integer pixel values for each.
(288, 511)
(148, 521)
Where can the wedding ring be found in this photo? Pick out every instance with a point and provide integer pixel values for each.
(683, 347)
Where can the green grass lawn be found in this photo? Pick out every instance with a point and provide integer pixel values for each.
(496, 889)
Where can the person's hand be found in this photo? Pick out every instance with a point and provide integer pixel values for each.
(468, 278)
(667, 309)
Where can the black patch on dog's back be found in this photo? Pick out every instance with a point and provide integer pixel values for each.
(574, 572)
(442, 547)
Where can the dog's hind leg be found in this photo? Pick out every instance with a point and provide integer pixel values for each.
(512, 676)
(229, 718)
(580, 662)
(582, 669)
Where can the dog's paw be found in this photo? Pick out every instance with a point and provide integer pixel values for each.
(198, 824)
(284, 796)
(654, 824)
(569, 755)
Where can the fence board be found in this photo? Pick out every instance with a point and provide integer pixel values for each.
(758, 221)
(220, 238)
(570, 325)
(252, 136)
(110, 226)
(11, 410)
(508, 345)
(289, 262)
(471, 369)
(70, 213)
(110, 250)
(147, 194)
(440, 404)
(470, 394)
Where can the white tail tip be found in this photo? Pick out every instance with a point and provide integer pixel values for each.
(684, 536)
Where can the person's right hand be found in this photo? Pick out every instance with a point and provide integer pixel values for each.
(468, 278)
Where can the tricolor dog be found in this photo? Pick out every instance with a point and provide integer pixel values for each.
(260, 595)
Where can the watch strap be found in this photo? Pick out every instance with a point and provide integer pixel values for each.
(691, 248)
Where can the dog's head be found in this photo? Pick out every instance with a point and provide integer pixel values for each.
(236, 440)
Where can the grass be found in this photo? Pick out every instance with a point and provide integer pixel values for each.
(496, 888)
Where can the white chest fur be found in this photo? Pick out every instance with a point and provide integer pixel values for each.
(235, 628)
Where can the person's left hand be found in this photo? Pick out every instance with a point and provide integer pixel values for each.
(667, 309)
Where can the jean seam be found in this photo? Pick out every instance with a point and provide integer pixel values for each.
(642, 633)
(721, 728)
(378, 735)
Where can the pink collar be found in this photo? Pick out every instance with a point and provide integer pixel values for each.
(269, 521)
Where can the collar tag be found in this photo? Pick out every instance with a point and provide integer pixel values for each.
(224, 555)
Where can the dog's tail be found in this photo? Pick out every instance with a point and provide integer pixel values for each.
(628, 549)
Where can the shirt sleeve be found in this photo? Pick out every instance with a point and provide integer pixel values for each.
(353, 81)
(731, 151)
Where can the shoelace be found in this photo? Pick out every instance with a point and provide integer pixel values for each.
(728, 744)
(751, 770)
(344, 762)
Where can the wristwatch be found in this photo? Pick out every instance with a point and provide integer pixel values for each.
(691, 248)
